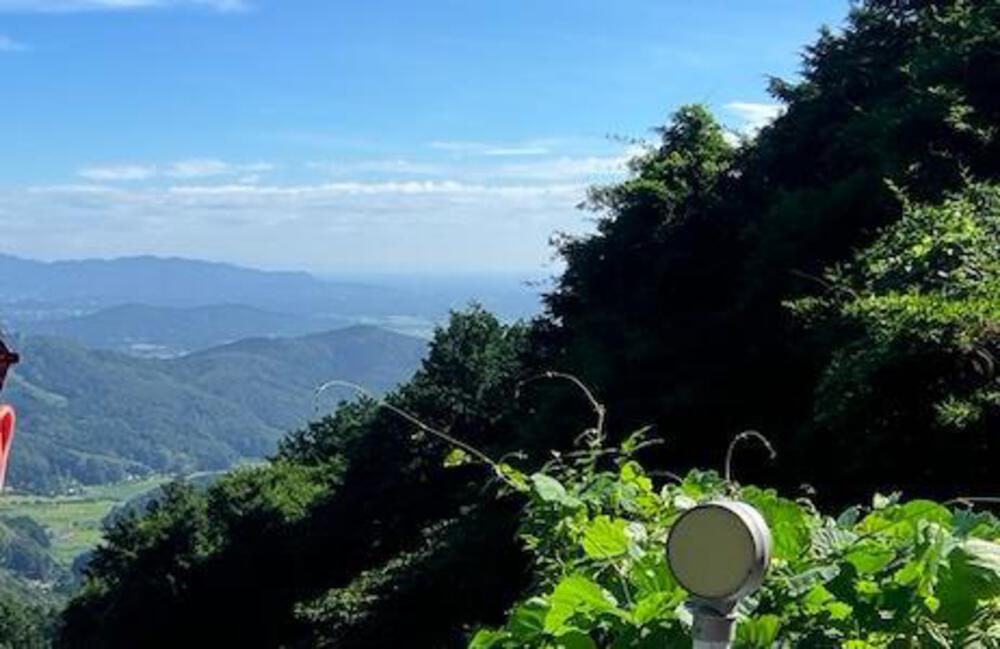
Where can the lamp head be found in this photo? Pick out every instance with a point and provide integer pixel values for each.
(719, 551)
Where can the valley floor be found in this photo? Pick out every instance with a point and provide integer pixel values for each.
(74, 522)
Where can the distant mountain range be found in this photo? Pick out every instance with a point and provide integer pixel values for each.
(91, 284)
(91, 416)
(175, 282)
(149, 364)
(163, 332)
(161, 307)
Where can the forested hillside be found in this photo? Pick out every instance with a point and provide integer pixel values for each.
(95, 416)
(157, 331)
(833, 282)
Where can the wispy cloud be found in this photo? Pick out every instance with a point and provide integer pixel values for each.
(388, 167)
(533, 148)
(431, 224)
(71, 6)
(351, 188)
(754, 115)
(567, 168)
(8, 44)
(182, 169)
(460, 207)
(113, 173)
(502, 151)
(210, 167)
(488, 171)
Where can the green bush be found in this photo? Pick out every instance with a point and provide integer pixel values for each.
(891, 574)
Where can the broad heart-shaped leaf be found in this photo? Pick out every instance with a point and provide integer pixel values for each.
(528, 619)
(869, 557)
(574, 639)
(805, 581)
(758, 632)
(902, 521)
(791, 527)
(551, 490)
(655, 606)
(832, 539)
(972, 575)
(487, 639)
(576, 594)
(548, 488)
(979, 524)
(650, 574)
(604, 538)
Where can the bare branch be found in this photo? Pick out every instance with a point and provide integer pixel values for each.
(745, 435)
(413, 419)
(973, 500)
(596, 405)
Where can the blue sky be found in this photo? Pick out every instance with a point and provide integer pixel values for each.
(335, 135)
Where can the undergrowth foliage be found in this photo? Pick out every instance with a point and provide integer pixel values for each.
(893, 573)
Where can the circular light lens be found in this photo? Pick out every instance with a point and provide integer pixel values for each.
(713, 552)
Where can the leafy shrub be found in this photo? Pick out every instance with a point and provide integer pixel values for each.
(892, 574)
(913, 325)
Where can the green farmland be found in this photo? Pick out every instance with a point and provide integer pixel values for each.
(73, 522)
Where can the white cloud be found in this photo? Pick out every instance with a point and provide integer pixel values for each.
(436, 212)
(516, 151)
(111, 173)
(533, 148)
(390, 188)
(184, 169)
(572, 169)
(753, 115)
(438, 225)
(456, 146)
(392, 166)
(8, 44)
(71, 6)
(209, 167)
(567, 168)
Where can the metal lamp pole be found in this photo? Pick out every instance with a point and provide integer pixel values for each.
(719, 553)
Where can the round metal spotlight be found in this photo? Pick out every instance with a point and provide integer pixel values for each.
(719, 552)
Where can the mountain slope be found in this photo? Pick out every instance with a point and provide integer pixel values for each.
(142, 329)
(95, 416)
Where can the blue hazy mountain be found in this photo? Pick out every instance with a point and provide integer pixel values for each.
(175, 282)
(152, 306)
(91, 284)
(159, 331)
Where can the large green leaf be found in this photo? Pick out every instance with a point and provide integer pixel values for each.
(604, 538)
(758, 632)
(791, 528)
(576, 594)
(972, 575)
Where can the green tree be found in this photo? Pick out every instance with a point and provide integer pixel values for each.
(23, 626)
(673, 309)
(361, 494)
(913, 321)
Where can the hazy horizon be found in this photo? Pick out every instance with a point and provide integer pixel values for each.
(349, 138)
(327, 274)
